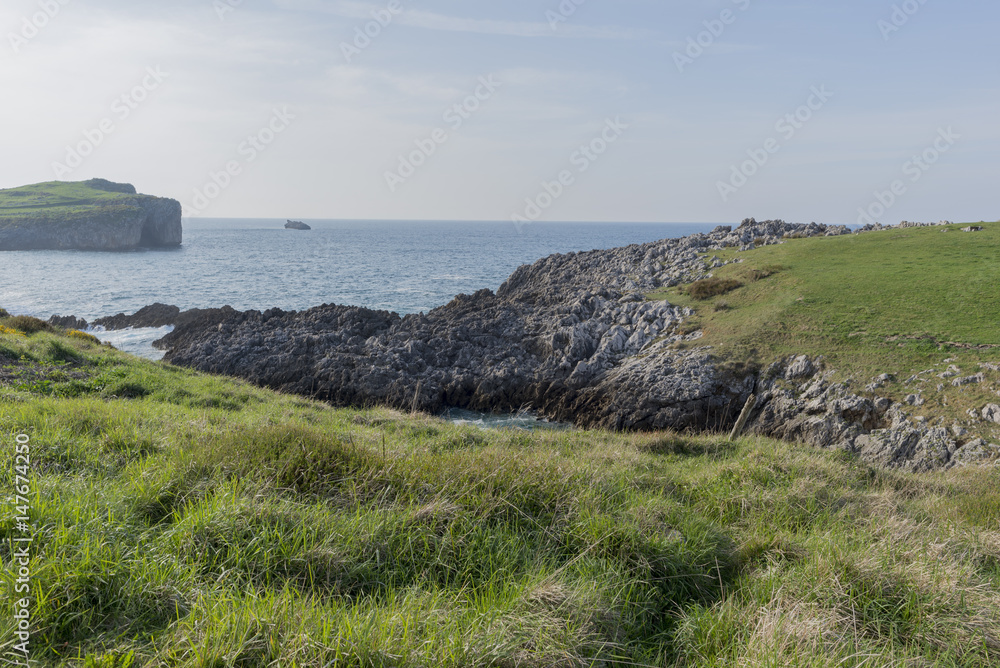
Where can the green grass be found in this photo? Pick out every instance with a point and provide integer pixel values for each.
(59, 201)
(189, 520)
(898, 302)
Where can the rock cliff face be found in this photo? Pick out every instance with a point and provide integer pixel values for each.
(570, 336)
(123, 222)
(573, 338)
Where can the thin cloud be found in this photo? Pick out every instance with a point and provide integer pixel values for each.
(441, 22)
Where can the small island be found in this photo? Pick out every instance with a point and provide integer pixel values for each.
(86, 215)
(296, 225)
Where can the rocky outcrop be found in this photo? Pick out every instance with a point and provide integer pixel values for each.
(574, 338)
(68, 322)
(809, 408)
(297, 225)
(162, 315)
(125, 222)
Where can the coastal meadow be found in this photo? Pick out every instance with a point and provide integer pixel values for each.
(184, 519)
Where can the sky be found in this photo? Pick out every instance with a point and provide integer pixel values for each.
(552, 110)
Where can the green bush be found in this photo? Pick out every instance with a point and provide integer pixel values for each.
(26, 324)
(712, 287)
(4, 313)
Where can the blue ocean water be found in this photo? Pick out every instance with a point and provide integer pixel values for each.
(402, 266)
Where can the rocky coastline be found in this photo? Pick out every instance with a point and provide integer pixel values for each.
(573, 338)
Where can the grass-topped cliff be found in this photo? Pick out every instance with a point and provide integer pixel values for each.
(87, 215)
(189, 520)
(921, 301)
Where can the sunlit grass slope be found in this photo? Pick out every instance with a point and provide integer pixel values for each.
(188, 520)
(897, 301)
(59, 201)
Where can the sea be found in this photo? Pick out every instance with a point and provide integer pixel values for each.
(401, 266)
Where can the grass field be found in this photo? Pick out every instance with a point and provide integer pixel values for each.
(56, 200)
(188, 520)
(897, 301)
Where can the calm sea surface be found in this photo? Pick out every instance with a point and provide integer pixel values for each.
(406, 267)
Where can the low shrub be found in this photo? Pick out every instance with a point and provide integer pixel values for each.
(764, 272)
(10, 330)
(712, 287)
(83, 336)
(27, 324)
(3, 313)
(721, 306)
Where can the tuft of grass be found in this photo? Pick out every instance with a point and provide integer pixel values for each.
(712, 287)
(759, 274)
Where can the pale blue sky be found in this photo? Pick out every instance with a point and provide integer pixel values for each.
(224, 67)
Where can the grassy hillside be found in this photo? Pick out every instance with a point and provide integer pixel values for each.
(188, 520)
(57, 200)
(897, 301)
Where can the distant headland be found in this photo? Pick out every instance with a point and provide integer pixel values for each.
(86, 215)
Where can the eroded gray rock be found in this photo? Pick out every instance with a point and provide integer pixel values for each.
(573, 338)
